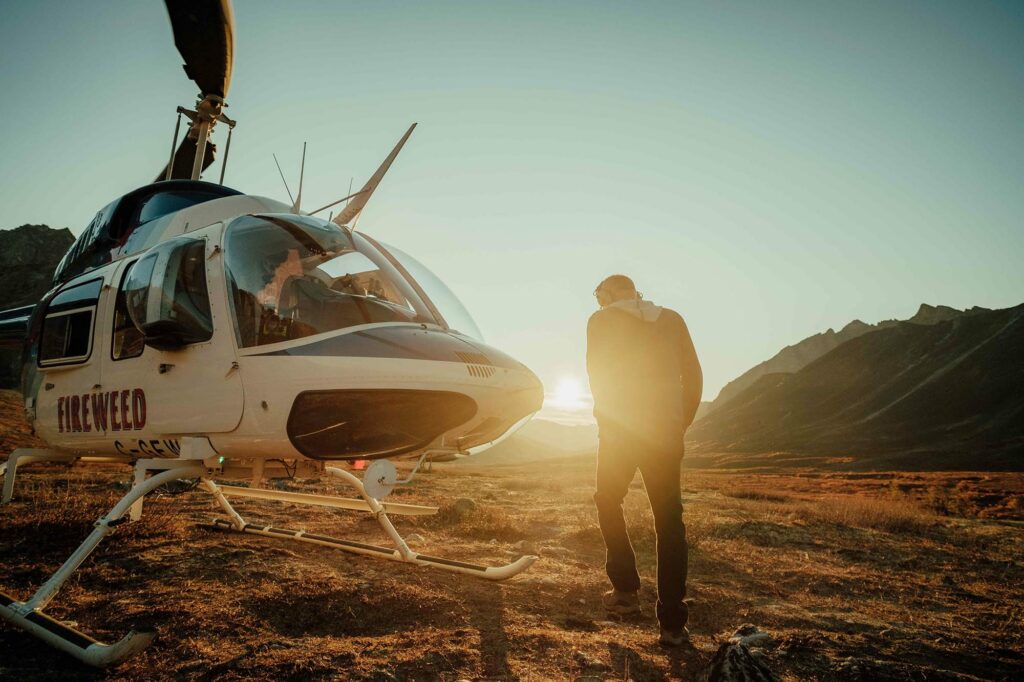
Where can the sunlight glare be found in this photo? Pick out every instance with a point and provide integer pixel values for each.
(568, 393)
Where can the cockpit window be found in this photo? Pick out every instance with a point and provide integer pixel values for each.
(455, 315)
(293, 276)
(162, 203)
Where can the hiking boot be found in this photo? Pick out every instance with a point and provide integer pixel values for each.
(675, 638)
(621, 603)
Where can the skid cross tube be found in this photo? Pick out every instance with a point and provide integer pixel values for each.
(29, 617)
(400, 552)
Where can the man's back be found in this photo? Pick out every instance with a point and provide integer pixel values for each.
(647, 383)
(644, 372)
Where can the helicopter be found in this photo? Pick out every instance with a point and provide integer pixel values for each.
(196, 332)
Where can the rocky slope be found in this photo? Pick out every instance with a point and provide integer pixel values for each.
(940, 395)
(794, 358)
(28, 256)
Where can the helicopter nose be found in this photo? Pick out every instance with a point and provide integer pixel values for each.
(463, 390)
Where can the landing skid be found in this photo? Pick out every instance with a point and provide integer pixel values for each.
(29, 615)
(400, 551)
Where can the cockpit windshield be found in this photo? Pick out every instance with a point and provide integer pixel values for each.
(292, 276)
(455, 315)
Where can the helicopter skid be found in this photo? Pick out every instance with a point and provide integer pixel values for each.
(29, 615)
(400, 552)
(489, 572)
(69, 640)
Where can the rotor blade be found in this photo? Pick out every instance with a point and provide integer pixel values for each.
(204, 33)
(184, 157)
(356, 205)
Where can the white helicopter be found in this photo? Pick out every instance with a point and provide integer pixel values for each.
(200, 333)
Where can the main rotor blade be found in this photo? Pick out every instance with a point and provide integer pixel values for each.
(184, 157)
(356, 205)
(204, 33)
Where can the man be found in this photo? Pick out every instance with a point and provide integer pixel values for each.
(647, 383)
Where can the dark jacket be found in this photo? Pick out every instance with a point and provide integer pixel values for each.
(644, 373)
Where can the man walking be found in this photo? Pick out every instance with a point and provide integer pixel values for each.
(647, 382)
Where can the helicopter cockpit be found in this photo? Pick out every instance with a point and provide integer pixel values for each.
(293, 276)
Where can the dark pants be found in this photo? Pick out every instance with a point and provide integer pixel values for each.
(618, 458)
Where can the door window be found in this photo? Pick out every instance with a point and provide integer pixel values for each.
(68, 325)
(128, 340)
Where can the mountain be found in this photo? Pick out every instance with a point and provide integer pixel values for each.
(28, 256)
(794, 358)
(946, 394)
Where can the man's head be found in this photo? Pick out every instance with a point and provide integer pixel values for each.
(615, 288)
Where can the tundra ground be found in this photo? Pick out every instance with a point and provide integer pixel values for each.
(856, 576)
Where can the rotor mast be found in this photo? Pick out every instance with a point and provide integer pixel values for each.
(204, 33)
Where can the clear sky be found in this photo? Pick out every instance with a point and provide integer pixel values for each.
(767, 169)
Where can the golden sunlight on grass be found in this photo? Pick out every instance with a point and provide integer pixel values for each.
(848, 572)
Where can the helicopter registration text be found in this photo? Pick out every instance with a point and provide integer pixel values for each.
(123, 410)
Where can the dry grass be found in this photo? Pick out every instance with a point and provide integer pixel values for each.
(755, 494)
(846, 574)
(879, 513)
(57, 512)
(484, 523)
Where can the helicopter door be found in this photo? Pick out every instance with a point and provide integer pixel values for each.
(181, 353)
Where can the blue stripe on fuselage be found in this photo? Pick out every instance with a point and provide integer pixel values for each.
(405, 343)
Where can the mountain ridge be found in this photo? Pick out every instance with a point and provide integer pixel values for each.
(794, 357)
(955, 387)
(28, 256)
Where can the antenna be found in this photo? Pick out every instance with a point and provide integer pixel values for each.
(352, 210)
(338, 201)
(302, 173)
(283, 180)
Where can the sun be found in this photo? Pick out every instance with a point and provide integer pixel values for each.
(568, 393)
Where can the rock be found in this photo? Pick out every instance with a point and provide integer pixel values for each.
(750, 635)
(734, 662)
(463, 506)
(740, 660)
(415, 537)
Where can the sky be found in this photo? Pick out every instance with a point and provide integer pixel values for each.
(769, 170)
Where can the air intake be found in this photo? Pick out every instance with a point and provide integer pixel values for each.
(474, 358)
(373, 423)
(477, 364)
(481, 371)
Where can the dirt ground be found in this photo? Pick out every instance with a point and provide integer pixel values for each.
(856, 577)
